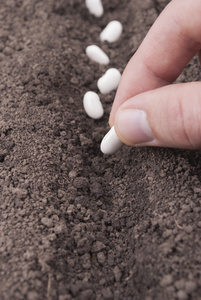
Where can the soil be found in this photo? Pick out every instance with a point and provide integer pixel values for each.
(74, 223)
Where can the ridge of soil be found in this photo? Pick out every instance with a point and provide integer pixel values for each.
(76, 224)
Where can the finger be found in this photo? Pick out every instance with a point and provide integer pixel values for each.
(169, 45)
(167, 117)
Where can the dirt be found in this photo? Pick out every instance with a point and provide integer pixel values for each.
(74, 223)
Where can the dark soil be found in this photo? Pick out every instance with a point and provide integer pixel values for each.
(75, 224)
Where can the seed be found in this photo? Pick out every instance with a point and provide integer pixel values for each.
(111, 143)
(112, 32)
(92, 105)
(109, 81)
(97, 54)
(95, 7)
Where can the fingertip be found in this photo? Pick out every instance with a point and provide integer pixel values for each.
(110, 121)
(132, 127)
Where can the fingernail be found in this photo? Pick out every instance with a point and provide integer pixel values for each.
(110, 143)
(133, 126)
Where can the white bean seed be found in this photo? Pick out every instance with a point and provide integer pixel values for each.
(97, 54)
(111, 143)
(95, 7)
(109, 81)
(112, 32)
(92, 105)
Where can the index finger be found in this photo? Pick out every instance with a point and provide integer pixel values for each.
(172, 41)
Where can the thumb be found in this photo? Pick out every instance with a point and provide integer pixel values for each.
(166, 117)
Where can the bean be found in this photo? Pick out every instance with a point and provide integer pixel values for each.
(111, 143)
(92, 105)
(109, 81)
(112, 32)
(97, 54)
(95, 7)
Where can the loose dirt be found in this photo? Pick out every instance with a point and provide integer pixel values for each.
(75, 224)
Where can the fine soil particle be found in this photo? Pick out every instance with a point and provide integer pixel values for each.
(76, 224)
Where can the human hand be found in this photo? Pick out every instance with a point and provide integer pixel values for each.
(148, 110)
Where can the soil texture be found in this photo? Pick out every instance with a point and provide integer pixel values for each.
(74, 223)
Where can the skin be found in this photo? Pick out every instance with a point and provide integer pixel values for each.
(173, 111)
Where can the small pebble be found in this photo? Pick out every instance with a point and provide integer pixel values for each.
(101, 258)
(111, 143)
(190, 286)
(112, 32)
(96, 54)
(117, 273)
(167, 280)
(109, 81)
(47, 222)
(95, 7)
(92, 105)
(181, 295)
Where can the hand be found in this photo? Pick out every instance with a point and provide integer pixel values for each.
(148, 110)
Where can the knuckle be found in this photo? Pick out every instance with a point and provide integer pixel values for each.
(185, 127)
